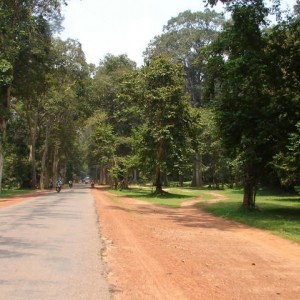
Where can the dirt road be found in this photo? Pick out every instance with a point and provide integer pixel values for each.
(158, 253)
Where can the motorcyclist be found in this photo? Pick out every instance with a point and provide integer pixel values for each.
(58, 185)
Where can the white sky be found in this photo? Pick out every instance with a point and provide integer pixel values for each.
(122, 26)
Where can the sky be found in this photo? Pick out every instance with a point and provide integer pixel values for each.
(123, 26)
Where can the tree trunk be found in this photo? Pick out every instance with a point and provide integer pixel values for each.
(249, 190)
(63, 171)
(43, 162)
(1, 165)
(135, 177)
(158, 181)
(4, 105)
(180, 180)
(197, 172)
(33, 164)
(32, 125)
(124, 183)
(55, 166)
(102, 179)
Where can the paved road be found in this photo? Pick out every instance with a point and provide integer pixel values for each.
(50, 248)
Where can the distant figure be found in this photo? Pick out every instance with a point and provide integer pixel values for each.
(58, 185)
(70, 184)
(92, 184)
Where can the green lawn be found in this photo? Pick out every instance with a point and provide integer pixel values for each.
(278, 213)
(170, 199)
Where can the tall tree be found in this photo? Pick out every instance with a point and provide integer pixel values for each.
(283, 53)
(19, 20)
(243, 109)
(62, 115)
(30, 73)
(258, 80)
(101, 142)
(166, 115)
(183, 39)
(110, 93)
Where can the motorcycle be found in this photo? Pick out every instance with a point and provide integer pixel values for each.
(58, 187)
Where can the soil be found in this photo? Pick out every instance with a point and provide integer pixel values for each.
(159, 253)
(20, 198)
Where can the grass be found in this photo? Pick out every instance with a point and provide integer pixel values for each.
(278, 213)
(167, 199)
(10, 193)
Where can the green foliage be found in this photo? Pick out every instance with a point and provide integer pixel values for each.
(287, 162)
(140, 119)
(5, 76)
(255, 87)
(283, 55)
(25, 31)
(217, 168)
(113, 90)
(101, 139)
(166, 116)
(182, 41)
(16, 164)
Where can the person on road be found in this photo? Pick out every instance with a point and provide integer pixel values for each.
(58, 185)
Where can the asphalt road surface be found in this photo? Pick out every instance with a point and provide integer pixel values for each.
(50, 248)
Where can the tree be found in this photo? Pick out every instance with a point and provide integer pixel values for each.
(286, 162)
(17, 169)
(62, 116)
(256, 89)
(166, 115)
(183, 40)
(216, 166)
(101, 140)
(30, 83)
(19, 20)
(111, 92)
(106, 81)
(243, 97)
(283, 53)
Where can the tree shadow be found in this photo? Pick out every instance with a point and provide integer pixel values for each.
(183, 217)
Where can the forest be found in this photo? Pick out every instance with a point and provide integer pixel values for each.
(216, 102)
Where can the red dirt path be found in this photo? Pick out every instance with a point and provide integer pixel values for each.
(159, 253)
(20, 198)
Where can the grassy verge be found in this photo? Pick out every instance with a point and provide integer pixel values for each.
(172, 198)
(10, 193)
(278, 213)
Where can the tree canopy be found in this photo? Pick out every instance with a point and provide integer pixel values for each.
(216, 101)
